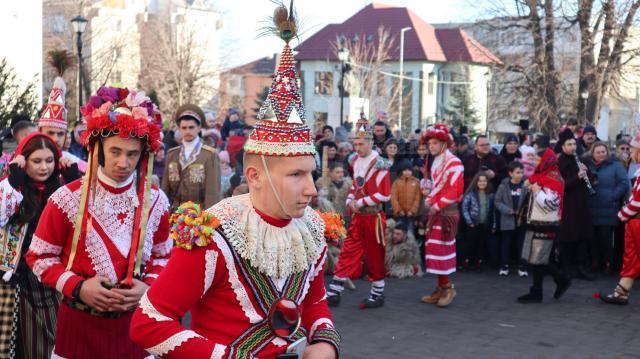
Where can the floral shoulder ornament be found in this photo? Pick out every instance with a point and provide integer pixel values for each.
(190, 225)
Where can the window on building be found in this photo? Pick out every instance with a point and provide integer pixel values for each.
(323, 83)
(57, 24)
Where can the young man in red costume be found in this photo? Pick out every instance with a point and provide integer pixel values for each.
(631, 260)
(102, 240)
(366, 235)
(237, 262)
(445, 182)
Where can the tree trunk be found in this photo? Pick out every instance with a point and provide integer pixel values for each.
(587, 70)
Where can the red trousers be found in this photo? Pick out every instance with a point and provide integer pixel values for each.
(631, 259)
(365, 237)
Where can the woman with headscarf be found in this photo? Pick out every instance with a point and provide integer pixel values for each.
(28, 309)
(546, 188)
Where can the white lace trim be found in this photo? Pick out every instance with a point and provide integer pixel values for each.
(42, 265)
(10, 199)
(162, 249)
(67, 202)
(238, 288)
(150, 311)
(99, 255)
(159, 208)
(62, 280)
(210, 257)
(218, 351)
(276, 252)
(114, 213)
(172, 342)
(316, 270)
(160, 262)
(40, 247)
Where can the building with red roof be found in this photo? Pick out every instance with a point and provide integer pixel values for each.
(435, 60)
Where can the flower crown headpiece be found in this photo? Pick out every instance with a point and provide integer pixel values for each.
(118, 111)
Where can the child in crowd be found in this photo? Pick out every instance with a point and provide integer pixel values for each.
(509, 199)
(528, 160)
(402, 259)
(406, 196)
(477, 210)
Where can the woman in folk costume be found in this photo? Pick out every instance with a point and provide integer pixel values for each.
(544, 211)
(102, 240)
(252, 260)
(445, 189)
(28, 307)
(631, 259)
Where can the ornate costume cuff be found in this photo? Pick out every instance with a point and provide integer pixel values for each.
(327, 335)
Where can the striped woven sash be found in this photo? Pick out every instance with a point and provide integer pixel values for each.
(265, 293)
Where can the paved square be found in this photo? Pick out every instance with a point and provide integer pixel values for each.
(485, 321)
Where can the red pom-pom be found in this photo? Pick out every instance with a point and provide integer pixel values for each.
(596, 295)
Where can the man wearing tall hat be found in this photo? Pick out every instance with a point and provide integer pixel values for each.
(445, 187)
(250, 268)
(53, 123)
(102, 240)
(192, 170)
(371, 188)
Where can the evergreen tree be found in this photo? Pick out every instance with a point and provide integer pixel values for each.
(15, 98)
(460, 111)
(262, 97)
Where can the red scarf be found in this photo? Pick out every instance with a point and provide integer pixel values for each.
(547, 175)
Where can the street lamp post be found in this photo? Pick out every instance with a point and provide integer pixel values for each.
(343, 56)
(402, 31)
(79, 25)
(584, 95)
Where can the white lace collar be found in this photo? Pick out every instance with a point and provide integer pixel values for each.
(109, 182)
(276, 252)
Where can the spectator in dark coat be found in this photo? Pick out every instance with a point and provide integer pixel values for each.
(483, 159)
(589, 137)
(575, 233)
(611, 185)
(510, 151)
(381, 134)
(232, 122)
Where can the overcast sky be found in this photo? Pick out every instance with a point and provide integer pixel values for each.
(242, 20)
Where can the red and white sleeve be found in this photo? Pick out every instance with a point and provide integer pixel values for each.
(316, 317)
(633, 207)
(44, 254)
(383, 183)
(156, 322)
(162, 244)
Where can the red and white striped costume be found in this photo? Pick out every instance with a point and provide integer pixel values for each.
(628, 213)
(103, 252)
(447, 177)
(365, 236)
(214, 282)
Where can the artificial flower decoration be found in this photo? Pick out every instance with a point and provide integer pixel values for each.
(190, 226)
(334, 231)
(115, 110)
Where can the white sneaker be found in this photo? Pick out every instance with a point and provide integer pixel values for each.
(523, 273)
(504, 271)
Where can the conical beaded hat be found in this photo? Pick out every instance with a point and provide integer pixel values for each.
(284, 134)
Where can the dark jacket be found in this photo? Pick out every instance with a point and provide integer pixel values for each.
(508, 158)
(611, 185)
(576, 215)
(504, 205)
(473, 165)
(229, 126)
(471, 209)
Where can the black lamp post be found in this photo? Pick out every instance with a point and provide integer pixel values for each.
(79, 25)
(343, 56)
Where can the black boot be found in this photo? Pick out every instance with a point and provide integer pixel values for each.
(534, 296)
(562, 284)
(333, 300)
(371, 302)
